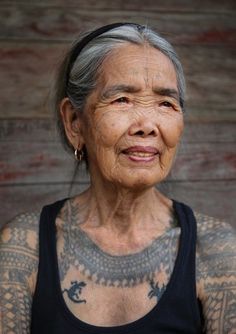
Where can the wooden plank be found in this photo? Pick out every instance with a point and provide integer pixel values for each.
(215, 198)
(209, 132)
(61, 23)
(209, 161)
(44, 130)
(27, 75)
(211, 6)
(34, 162)
(18, 199)
(209, 77)
(28, 130)
(167, 5)
(27, 72)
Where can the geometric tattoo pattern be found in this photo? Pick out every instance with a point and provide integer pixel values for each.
(18, 261)
(119, 271)
(111, 270)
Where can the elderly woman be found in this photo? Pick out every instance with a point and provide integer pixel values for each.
(120, 257)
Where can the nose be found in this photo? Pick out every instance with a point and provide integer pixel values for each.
(143, 128)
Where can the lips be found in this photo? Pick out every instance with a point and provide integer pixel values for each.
(141, 150)
(141, 153)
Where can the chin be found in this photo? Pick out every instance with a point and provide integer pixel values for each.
(139, 181)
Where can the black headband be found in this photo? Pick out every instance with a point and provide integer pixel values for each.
(78, 48)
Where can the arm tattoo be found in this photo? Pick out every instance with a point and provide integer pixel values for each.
(18, 263)
(15, 309)
(216, 273)
(221, 301)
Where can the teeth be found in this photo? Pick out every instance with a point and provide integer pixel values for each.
(141, 154)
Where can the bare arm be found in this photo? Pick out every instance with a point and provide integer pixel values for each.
(216, 275)
(18, 269)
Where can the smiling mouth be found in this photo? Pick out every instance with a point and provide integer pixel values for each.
(145, 154)
(140, 154)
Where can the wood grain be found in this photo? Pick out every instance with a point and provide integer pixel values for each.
(211, 6)
(61, 23)
(213, 198)
(27, 72)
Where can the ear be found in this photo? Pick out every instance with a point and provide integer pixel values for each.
(72, 123)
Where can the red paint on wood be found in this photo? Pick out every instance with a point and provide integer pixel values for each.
(230, 159)
(216, 36)
(36, 161)
(12, 176)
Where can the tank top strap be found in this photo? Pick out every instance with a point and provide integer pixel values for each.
(47, 269)
(188, 225)
(182, 286)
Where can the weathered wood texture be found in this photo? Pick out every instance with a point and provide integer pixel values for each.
(34, 169)
(216, 6)
(60, 23)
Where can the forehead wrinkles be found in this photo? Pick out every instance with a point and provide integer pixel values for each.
(147, 67)
(142, 67)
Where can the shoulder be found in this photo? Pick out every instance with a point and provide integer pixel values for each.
(19, 247)
(216, 273)
(216, 246)
(216, 239)
(21, 231)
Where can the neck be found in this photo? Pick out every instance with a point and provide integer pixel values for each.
(124, 210)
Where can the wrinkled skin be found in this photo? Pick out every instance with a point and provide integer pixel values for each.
(118, 120)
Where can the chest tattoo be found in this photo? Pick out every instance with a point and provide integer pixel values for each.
(81, 253)
(156, 291)
(75, 291)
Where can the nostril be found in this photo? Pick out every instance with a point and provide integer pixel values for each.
(143, 130)
(139, 133)
(144, 133)
(152, 133)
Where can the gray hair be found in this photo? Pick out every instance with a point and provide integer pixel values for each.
(84, 73)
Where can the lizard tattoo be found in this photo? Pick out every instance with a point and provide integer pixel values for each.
(74, 291)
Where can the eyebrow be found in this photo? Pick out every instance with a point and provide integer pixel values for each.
(167, 92)
(116, 89)
(113, 90)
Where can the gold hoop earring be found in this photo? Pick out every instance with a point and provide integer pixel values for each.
(79, 155)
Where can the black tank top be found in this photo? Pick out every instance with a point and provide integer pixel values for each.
(178, 310)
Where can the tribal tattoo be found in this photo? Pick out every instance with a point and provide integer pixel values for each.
(156, 291)
(18, 261)
(75, 291)
(109, 270)
(216, 273)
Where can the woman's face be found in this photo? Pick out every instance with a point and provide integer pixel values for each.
(133, 121)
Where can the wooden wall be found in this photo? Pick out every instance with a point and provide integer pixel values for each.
(34, 168)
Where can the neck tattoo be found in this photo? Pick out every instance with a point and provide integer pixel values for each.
(82, 253)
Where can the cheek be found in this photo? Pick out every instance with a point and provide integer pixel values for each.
(109, 128)
(172, 130)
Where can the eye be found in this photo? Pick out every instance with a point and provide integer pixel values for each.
(167, 104)
(121, 100)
